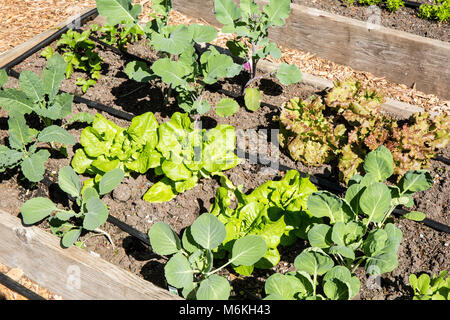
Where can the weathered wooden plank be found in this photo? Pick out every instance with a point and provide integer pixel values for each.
(17, 51)
(71, 273)
(399, 56)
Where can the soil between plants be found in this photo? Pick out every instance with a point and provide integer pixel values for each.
(422, 249)
(404, 19)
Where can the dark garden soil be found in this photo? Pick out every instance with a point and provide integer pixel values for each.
(404, 19)
(422, 249)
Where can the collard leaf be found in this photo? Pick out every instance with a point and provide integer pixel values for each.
(379, 163)
(227, 107)
(202, 33)
(288, 74)
(415, 181)
(118, 11)
(20, 135)
(3, 77)
(56, 133)
(226, 11)
(163, 239)
(36, 209)
(313, 261)
(415, 216)
(176, 43)
(248, 250)
(178, 271)
(278, 11)
(139, 71)
(252, 99)
(53, 74)
(375, 201)
(31, 85)
(15, 100)
(97, 214)
(320, 236)
(208, 231)
(70, 237)
(325, 204)
(110, 180)
(214, 287)
(284, 286)
(171, 72)
(33, 167)
(69, 181)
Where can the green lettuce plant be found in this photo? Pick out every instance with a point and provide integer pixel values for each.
(439, 10)
(191, 267)
(35, 96)
(276, 211)
(119, 36)
(79, 53)
(88, 211)
(177, 150)
(426, 288)
(251, 26)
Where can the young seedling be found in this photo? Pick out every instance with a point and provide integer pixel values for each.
(426, 288)
(251, 26)
(191, 268)
(79, 53)
(119, 36)
(87, 208)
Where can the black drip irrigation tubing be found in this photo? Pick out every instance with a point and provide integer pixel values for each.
(18, 288)
(412, 4)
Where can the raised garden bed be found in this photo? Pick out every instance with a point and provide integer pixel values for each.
(422, 249)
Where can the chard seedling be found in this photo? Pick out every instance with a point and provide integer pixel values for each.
(79, 53)
(87, 208)
(38, 96)
(191, 267)
(251, 26)
(426, 288)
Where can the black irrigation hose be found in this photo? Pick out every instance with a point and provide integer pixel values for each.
(17, 287)
(130, 230)
(412, 4)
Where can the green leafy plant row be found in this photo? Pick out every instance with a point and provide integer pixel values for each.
(176, 149)
(427, 288)
(354, 231)
(347, 124)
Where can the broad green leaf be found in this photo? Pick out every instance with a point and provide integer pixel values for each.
(178, 271)
(139, 71)
(320, 236)
(252, 99)
(177, 42)
(31, 85)
(288, 74)
(161, 191)
(278, 11)
(70, 237)
(62, 106)
(36, 209)
(175, 171)
(110, 180)
(285, 286)
(97, 214)
(215, 66)
(214, 287)
(375, 201)
(188, 241)
(379, 163)
(227, 107)
(80, 161)
(208, 231)
(345, 252)
(56, 133)
(163, 239)
(375, 242)
(171, 72)
(118, 11)
(325, 204)
(69, 181)
(338, 233)
(352, 196)
(9, 157)
(83, 117)
(202, 107)
(415, 216)
(248, 250)
(33, 167)
(226, 11)
(53, 74)
(20, 134)
(415, 181)
(15, 100)
(202, 33)
(313, 261)
(336, 289)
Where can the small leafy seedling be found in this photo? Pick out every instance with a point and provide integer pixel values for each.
(251, 26)
(88, 212)
(426, 288)
(191, 266)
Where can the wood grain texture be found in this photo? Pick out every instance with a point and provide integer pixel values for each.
(399, 56)
(72, 273)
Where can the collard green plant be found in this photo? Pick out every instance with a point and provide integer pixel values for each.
(351, 231)
(79, 53)
(347, 124)
(176, 149)
(88, 212)
(251, 26)
(276, 211)
(426, 288)
(191, 268)
(36, 96)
